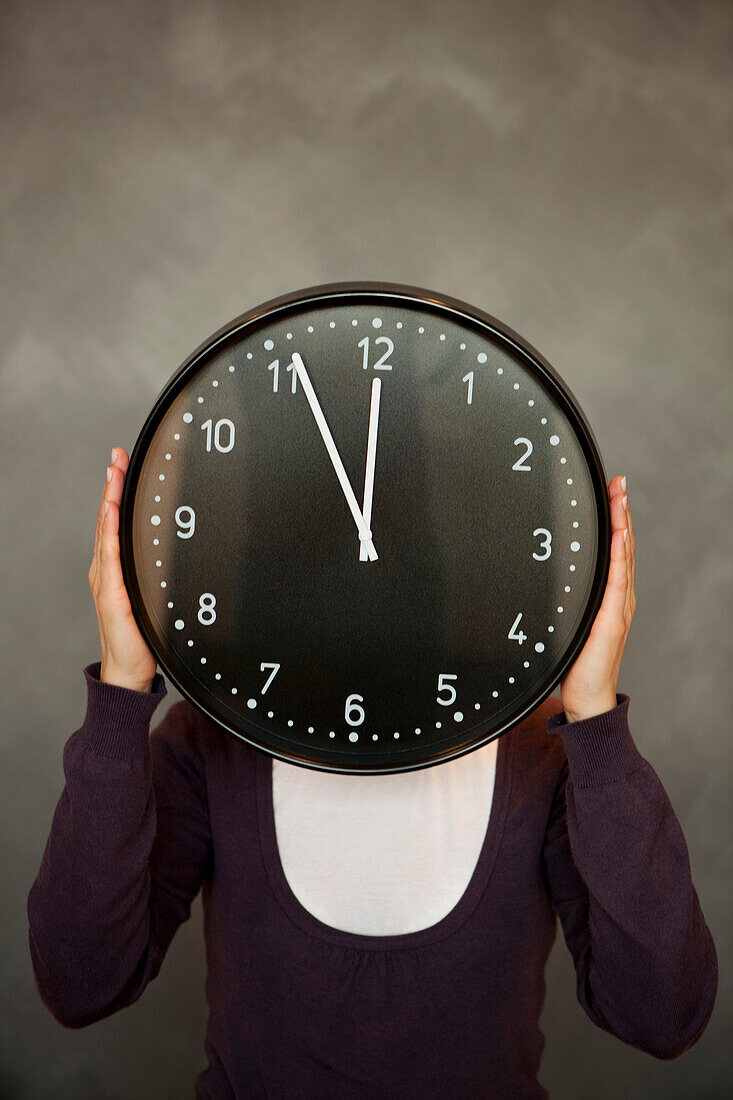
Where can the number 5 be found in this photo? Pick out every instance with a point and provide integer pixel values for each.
(442, 686)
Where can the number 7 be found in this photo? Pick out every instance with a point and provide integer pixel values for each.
(271, 677)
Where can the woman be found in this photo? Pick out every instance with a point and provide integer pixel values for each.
(572, 822)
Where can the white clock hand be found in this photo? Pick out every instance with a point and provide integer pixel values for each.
(364, 533)
(371, 456)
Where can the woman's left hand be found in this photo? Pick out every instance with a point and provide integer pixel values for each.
(589, 687)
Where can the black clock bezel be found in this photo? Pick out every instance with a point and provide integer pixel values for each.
(363, 292)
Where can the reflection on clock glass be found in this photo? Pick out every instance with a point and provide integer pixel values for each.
(363, 527)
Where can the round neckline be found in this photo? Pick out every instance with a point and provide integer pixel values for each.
(403, 940)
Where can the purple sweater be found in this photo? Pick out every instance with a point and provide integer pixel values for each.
(580, 828)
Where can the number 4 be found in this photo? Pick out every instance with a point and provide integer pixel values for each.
(520, 637)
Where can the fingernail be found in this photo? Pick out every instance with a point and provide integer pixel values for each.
(623, 483)
(106, 506)
(114, 458)
(625, 503)
(626, 534)
(109, 472)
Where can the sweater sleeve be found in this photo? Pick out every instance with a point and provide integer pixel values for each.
(618, 872)
(128, 849)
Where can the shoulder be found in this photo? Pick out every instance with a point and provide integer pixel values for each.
(182, 733)
(538, 750)
(188, 733)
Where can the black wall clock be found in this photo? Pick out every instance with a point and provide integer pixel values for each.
(365, 528)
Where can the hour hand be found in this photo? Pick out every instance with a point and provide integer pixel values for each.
(365, 534)
(370, 458)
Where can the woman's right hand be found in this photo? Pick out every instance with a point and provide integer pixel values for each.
(126, 658)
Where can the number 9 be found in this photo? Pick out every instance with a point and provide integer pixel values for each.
(188, 524)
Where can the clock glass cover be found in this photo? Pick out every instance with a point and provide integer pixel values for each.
(365, 528)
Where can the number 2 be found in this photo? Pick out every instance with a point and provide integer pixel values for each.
(518, 464)
(380, 363)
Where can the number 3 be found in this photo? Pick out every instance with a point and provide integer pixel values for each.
(546, 544)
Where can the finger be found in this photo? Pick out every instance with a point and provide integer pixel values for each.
(621, 517)
(624, 520)
(112, 493)
(99, 527)
(632, 559)
(122, 460)
(616, 486)
(110, 551)
(110, 546)
(612, 609)
(632, 539)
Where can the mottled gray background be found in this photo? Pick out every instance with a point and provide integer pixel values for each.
(167, 165)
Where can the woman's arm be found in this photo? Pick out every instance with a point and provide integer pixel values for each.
(618, 874)
(128, 849)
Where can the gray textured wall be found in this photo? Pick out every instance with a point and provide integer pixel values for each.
(167, 164)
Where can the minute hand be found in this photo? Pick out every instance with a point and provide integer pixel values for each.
(364, 533)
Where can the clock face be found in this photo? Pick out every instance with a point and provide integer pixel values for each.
(365, 528)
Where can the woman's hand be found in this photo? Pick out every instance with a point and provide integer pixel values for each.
(589, 687)
(126, 659)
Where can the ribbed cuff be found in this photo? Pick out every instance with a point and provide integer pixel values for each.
(117, 720)
(599, 749)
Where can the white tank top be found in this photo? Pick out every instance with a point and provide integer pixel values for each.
(382, 855)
